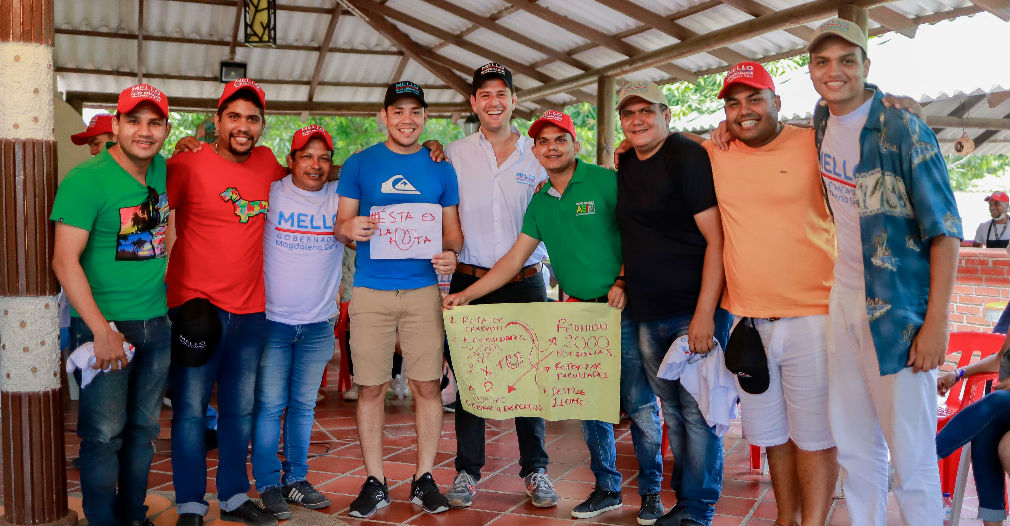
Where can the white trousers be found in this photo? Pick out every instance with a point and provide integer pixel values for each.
(872, 414)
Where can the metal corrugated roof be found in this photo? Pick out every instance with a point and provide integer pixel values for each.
(545, 41)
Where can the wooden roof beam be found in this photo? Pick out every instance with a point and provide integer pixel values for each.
(240, 4)
(408, 46)
(597, 36)
(702, 43)
(215, 78)
(218, 43)
(756, 9)
(669, 27)
(894, 21)
(456, 40)
(274, 107)
(140, 41)
(1000, 8)
(324, 48)
(493, 25)
(280, 6)
(400, 66)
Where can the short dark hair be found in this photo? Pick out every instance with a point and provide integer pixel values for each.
(242, 94)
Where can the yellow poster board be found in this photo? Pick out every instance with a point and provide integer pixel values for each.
(554, 360)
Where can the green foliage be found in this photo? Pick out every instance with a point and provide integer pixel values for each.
(978, 172)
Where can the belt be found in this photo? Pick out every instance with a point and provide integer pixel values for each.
(479, 272)
(601, 299)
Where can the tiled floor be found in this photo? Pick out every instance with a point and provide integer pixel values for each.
(336, 470)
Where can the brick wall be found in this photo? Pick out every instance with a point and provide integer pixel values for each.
(983, 276)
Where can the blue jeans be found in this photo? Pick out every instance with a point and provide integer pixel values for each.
(696, 448)
(639, 402)
(982, 423)
(233, 368)
(118, 422)
(291, 370)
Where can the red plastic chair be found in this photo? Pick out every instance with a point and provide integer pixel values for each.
(340, 331)
(964, 391)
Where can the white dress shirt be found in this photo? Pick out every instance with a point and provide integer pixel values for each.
(492, 198)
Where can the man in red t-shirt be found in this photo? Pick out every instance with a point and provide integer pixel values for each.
(218, 196)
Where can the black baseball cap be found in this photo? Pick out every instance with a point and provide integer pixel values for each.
(745, 357)
(404, 88)
(196, 331)
(491, 70)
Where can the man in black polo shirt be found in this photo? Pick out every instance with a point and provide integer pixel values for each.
(672, 245)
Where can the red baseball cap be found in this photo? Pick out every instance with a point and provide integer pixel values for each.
(302, 137)
(999, 196)
(101, 123)
(130, 97)
(748, 73)
(243, 84)
(561, 120)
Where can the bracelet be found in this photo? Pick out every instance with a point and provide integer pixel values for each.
(960, 373)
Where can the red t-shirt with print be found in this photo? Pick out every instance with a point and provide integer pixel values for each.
(220, 209)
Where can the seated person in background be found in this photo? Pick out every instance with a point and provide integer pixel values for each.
(986, 424)
(994, 233)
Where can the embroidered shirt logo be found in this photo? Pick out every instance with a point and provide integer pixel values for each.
(398, 184)
(585, 208)
(526, 179)
(244, 209)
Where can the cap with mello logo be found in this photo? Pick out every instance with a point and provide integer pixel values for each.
(302, 137)
(643, 89)
(99, 124)
(750, 74)
(556, 118)
(237, 85)
(130, 97)
(491, 70)
(404, 88)
(840, 28)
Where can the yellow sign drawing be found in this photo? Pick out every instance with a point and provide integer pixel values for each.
(557, 361)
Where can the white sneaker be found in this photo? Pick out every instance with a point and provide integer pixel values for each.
(351, 394)
(398, 386)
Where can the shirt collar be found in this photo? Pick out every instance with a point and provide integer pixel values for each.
(577, 177)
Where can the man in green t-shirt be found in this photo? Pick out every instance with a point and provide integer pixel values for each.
(111, 214)
(573, 214)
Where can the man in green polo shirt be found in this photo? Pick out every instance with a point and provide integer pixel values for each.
(111, 214)
(573, 214)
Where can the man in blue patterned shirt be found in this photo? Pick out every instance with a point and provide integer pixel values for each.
(898, 230)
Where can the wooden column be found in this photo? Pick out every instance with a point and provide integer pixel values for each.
(34, 475)
(857, 14)
(606, 107)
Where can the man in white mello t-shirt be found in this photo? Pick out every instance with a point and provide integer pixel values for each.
(302, 267)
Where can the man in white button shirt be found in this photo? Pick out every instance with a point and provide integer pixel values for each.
(497, 175)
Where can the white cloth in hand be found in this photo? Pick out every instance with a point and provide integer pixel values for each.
(83, 358)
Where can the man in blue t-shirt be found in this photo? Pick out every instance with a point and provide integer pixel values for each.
(397, 296)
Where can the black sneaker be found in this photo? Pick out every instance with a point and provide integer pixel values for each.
(274, 503)
(652, 509)
(424, 492)
(301, 492)
(374, 496)
(599, 501)
(189, 519)
(250, 514)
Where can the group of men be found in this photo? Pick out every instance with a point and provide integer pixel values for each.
(799, 232)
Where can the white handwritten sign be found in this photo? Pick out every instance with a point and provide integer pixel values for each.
(406, 231)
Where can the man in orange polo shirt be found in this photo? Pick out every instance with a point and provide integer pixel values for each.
(779, 256)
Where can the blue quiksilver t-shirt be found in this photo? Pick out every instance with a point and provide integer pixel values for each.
(377, 176)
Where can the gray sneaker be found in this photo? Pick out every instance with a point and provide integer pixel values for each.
(540, 489)
(462, 491)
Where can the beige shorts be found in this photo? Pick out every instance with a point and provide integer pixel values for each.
(379, 316)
